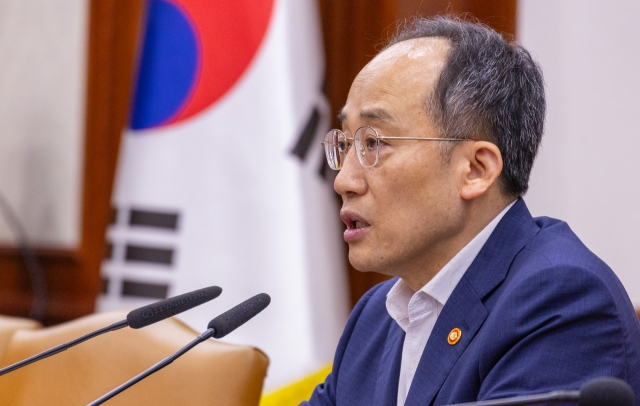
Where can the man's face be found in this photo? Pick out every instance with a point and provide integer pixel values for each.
(402, 211)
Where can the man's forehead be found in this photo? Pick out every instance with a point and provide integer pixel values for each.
(425, 52)
(407, 70)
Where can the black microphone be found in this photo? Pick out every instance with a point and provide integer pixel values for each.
(137, 318)
(237, 316)
(149, 314)
(604, 391)
(217, 328)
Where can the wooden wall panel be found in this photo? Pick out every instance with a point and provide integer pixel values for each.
(499, 14)
(115, 39)
(73, 276)
(353, 32)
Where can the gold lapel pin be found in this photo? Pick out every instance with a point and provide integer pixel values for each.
(454, 336)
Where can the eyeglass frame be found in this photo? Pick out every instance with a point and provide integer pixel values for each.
(378, 138)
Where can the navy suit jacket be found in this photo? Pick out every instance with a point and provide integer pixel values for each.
(537, 310)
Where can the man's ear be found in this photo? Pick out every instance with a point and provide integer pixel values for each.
(483, 165)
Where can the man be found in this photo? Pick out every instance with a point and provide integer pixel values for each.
(439, 134)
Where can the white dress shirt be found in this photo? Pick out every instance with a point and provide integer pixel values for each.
(416, 313)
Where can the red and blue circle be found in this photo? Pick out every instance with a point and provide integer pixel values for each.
(194, 52)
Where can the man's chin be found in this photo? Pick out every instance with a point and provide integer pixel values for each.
(362, 262)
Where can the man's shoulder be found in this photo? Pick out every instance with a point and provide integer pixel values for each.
(546, 242)
(556, 247)
(558, 243)
(556, 269)
(556, 293)
(551, 269)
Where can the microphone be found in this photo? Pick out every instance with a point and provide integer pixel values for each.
(149, 314)
(237, 316)
(601, 391)
(138, 318)
(217, 328)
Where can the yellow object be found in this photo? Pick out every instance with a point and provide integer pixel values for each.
(212, 373)
(295, 393)
(454, 336)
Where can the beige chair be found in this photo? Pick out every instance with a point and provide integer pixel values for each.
(8, 327)
(212, 373)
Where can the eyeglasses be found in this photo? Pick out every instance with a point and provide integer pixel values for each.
(367, 141)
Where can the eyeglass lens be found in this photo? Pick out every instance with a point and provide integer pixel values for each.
(336, 147)
(366, 142)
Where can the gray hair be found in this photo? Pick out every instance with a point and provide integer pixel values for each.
(488, 89)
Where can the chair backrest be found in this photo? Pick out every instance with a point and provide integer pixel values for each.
(213, 373)
(9, 326)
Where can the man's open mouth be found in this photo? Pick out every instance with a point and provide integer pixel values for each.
(353, 221)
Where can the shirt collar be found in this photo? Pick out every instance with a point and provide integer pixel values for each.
(444, 282)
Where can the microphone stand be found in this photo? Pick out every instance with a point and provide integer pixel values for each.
(138, 318)
(155, 368)
(62, 347)
(558, 396)
(217, 328)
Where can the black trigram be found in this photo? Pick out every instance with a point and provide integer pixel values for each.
(137, 252)
(305, 139)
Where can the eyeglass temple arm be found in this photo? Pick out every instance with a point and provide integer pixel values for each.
(384, 137)
(428, 139)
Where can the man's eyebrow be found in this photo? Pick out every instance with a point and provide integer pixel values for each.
(376, 114)
(370, 114)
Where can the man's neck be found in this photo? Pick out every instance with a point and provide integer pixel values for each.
(477, 219)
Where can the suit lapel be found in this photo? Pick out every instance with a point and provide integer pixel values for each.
(386, 392)
(464, 308)
(467, 313)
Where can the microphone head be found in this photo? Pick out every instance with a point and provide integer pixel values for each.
(237, 316)
(608, 391)
(164, 309)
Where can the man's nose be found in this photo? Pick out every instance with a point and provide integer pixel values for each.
(350, 179)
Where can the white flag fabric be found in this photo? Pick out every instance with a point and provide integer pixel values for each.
(222, 181)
